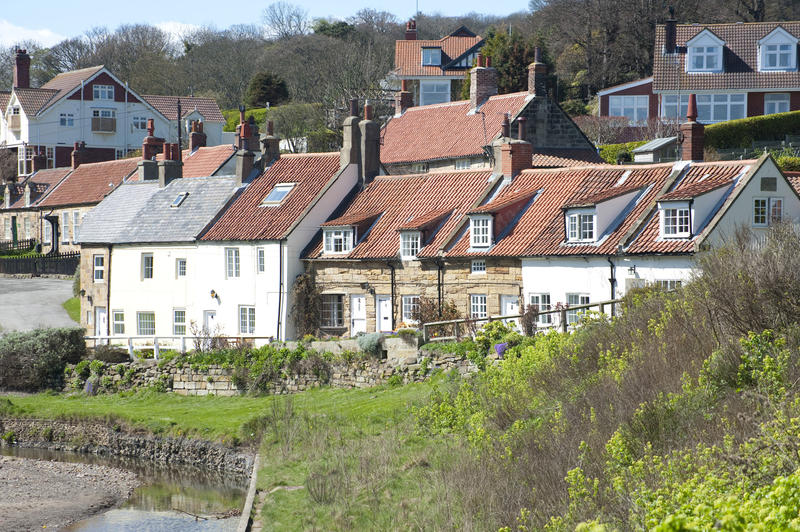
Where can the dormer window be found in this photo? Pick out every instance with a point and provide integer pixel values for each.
(705, 53)
(277, 194)
(580, 226)
(431, 57)
(778, 51)
(675, 220)
(338, 240)
(409, 244)
(480, 231)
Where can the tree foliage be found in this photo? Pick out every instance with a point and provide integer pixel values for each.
(266, 87)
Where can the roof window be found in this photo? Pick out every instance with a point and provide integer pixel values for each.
(278, 193)
(180, 199)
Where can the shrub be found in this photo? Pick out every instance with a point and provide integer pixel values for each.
(35, 360)
(741, 133)
(110, 354)
(371, 344)
(611, 153)
(788, 163)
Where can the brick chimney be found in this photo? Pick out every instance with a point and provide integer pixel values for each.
(78, 154)
(39, 160)
(670, 32)
(151, 145)
(692, 133)
(482, 83)
(411, 30)
(171, 168)
(370, 146)
(245, 159)
(22, 70)
(351, 138)
(197, 139)
(403, 99)
(270, 145)
(516, 155)
(537, 75)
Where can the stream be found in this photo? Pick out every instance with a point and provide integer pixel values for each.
(173, 498)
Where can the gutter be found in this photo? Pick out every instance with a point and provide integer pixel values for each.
(392, 267)
(280, 287)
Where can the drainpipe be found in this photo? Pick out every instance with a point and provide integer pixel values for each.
(280, 284)
(613, 281)
(440, 283)
(392, 267)
(108, 294)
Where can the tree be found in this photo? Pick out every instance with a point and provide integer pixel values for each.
(284, 20)
(510, 56)
(264, 88)
(8, 166)
(301, 125)
(336, 29)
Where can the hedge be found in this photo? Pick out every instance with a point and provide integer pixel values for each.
(232, 117)
(610, 152)
(35, 360)
(743, 132)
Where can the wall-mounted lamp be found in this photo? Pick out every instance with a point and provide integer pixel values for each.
(632, 270)
(82, 292)
(368, 288)
(213, 295)
(89, 299)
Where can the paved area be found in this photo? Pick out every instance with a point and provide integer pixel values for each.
(27, 304)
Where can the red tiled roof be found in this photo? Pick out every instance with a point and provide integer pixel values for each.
(401, 197)
(427, 219)
(168, 106)
(203, 162)
(41, 182)
(695, 189)
(354, 218)
(66, 82)
(246, 219)
(794, 180)
(447, 130)
(560, 158)
(33, 100)
(4, 97)
(605, 195)
(506, 200)
(648, 240)
(90, 183)
(408, 56)
(740, 59)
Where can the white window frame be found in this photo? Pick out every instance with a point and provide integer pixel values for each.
(419, 168)
(76, 224)
(478, 267)
(576, 298)
(66, 120)
(179, 325)
(139, 122)
(464, 163)
(638, 104)
(27, 224)
(141, 316)
(581, 226)
(676, 221)
(180, 267)
(432, 92)
(65, 227)
(773, 211)
(777, 102)
(409, 305)
(776, 45)
(338, 241)
(232, 263)
(47, 232)
(542, 302)
(104, 113)
(332, 311)
(480, 231)
(99, 268)
(247, 319)
(102, 92)
(431, 56)
(277, 194)
(148, 266)
(261, 260)
(668, 284)
(410, 244)
(710, 105)
(477, 305)
(118, 321)
(707, 46)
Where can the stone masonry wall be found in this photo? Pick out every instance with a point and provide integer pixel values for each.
(97, 291)
(548, 126)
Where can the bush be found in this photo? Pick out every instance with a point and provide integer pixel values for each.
(741, 133)
(35, 360)
(110, 354)
(371, 344)
(613, 153)
(788, 163)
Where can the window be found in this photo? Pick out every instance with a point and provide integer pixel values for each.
(432, 92)
(419, 168)
(66, 120)
(24, 160)
(477, 305)
(409, 244)
(103, 92)
(767, 211)
(118, 321)
(542, 303)
(231, 262)
(27, 224)
(777, 57)
(179, 322)
(338, 240)
(575, 299)
(463, 164)
(7, 229)
(410, 307)
(146, 323)
(178, 200)
(675, 222)
(278, 192)
(479, 266)
(776, 103)
(705, 58)
(104, 113)
(710, 107)
(431, 56)
(139, 122)
(65, 228)
(332, 310)
(261, 264)
(180, 267)
(580, 227)
(634, 108)
(667, 284)
(671, 110)
(50, 155)
(47, 230)
(99, 268)
(147, 265)
(76, 224)
(247, 320)
(480, 231)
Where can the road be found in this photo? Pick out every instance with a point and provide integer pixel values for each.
(27, 304)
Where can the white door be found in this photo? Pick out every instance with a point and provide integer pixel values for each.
(358, 314)
(509, 306)
(210, 320)
(101, 323)
(383, 318)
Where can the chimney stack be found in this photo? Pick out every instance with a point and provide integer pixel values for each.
(270, 145)
(693, 133)
(171, 167)
(78, 154)
(505, 127)
(512, 155)
(403, 99)
(22, 70)
(39, 160)
(351, 138)
(537, 75)
(482, 83)
(370, 146)
(670, 32)
(7, 196)
(151, 145)
(197, 139)
(245, 159)
(27, 193)
(411, 30)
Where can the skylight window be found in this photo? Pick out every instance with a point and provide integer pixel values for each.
(180, 199)
(278, 193)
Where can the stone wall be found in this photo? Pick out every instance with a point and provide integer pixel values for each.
(97, 292)
(548, 126)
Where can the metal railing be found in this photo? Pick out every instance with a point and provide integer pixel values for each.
(563, 313)
(10, 245)
(59, 264)
(178, 343)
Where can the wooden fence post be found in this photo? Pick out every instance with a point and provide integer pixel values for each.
(564, 319)
(155, 348)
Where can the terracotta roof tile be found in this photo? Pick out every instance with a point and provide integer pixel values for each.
(401, 197)
(695, 189)
(66, 82)
(794, 180)
(740, 59)
(41, 182)
(203, 162)
(33, 100)
(168, 106)
(560, 158)
(505, 200)
(246, 219)
(605, 195)
(408, 56)
(90, 183)
(353, 218)
(4, 97)
(425, 220)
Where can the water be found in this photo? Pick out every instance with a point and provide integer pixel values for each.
(169, 498)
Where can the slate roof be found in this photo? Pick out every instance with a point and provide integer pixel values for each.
(408, 56)
(41, 182)
(168, 106)
(90, 183)
(740, 59)
(246, 219)
(399, 199)
(142, 212)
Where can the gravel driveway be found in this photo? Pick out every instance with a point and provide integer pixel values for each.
(27, 304)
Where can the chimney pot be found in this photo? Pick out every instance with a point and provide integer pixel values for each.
(270, 128)
(411, 30)
(367, 111)
(537, 55)
(505, 126)
(354, 107)
(693, 134)
(521, 127)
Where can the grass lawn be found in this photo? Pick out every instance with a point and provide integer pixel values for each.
(73, 308)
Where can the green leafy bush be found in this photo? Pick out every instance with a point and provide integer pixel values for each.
(743, 132)
(35, 360)
(788, 163)
(111, 354)
(371, 343)
(611, 153)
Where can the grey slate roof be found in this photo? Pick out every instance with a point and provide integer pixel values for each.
(140, 212)
(655, 144)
